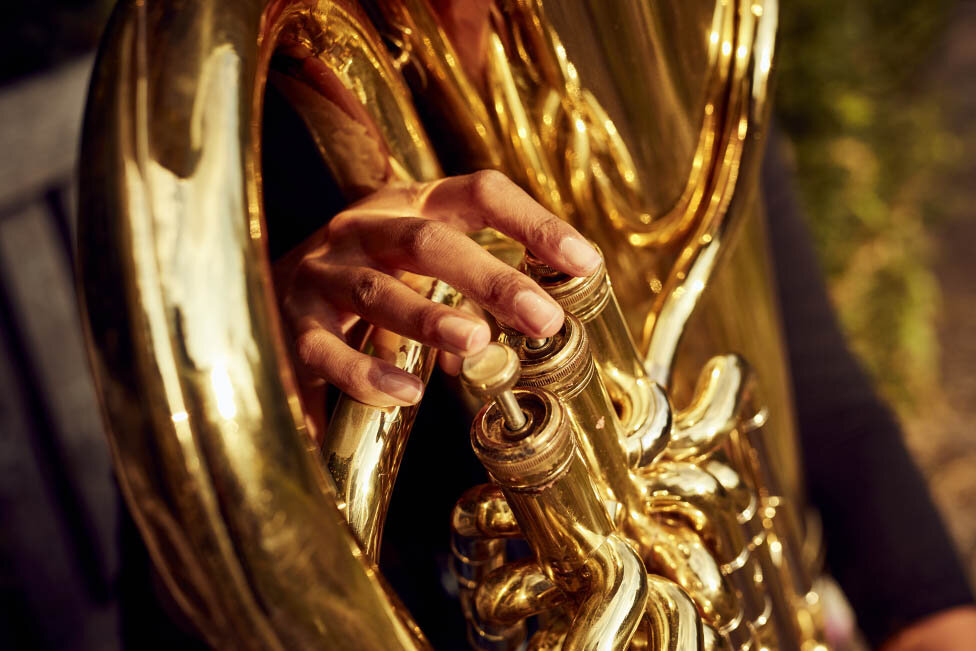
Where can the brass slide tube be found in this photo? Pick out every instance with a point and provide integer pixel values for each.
(781, 521)
(672, 621)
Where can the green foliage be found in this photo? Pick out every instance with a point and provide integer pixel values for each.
(870, 148)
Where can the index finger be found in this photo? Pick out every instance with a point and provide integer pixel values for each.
(489, 198)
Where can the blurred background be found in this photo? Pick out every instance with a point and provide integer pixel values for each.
(875, 101)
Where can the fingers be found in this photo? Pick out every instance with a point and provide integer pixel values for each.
(433, 248)
(386, 302)
(489, 198)
(449, 362)
(367, 379)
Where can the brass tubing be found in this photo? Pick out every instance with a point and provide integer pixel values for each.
(613, 609)
(364, 445)
(750, 514)
(673, 623)
(750, 449)
(564, 519)
(480, 522)
(483, 512)
(679, 554)
(516, 591)
(721, 392)
(685, 491)
(644, 445)
(592, 301)
(472, 560)
(565, 367)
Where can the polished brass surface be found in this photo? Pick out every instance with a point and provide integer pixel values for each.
(647, 455)
(238, 512)
(491, 375)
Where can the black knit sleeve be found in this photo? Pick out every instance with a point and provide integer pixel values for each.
(886, 544)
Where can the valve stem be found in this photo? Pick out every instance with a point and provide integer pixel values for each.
(514, 416)
(490, 376)
(536, 344)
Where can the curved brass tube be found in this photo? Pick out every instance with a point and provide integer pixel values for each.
(680, 555)
(722, 392)
(740, 144)
(645, 442)
(208, 438)
(611, 612)
(752, 515)
(482, 511)
(516, 591)
(428, 54)
(480, 522)
(692, 495)
(673, 621)
(364, 445)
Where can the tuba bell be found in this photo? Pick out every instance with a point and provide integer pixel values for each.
(646, 453)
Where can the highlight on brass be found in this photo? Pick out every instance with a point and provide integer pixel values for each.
(645, 453)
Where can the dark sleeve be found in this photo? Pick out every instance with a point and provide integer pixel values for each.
(886, 544)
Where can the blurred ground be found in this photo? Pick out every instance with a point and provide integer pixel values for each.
(877, 98)
(944, 436)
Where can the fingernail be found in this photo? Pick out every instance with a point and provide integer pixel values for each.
(462, 334)
(402, 386)
(580, 253)
(539, 315)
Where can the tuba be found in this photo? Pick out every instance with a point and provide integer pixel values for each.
(646, 454)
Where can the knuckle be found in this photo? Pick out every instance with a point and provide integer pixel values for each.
(310, 350)
(421, 235)
(354, 377)
(366, 291)
(426, 321)
(546, 229)
(305, 270)
(502, 288)
(484, 186)
(339, 223)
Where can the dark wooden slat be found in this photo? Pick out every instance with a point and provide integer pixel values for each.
(44, 596)
(44, 314)
(40, 125)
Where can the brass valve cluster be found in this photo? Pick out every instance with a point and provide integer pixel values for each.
(645, 525)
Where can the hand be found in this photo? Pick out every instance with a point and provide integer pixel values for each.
(949, 630)
(349, 271)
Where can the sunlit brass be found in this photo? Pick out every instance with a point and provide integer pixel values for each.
(652, 471)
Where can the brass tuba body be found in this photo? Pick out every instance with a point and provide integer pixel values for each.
(657, 481)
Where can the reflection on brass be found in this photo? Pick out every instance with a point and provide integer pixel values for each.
(645, 453)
